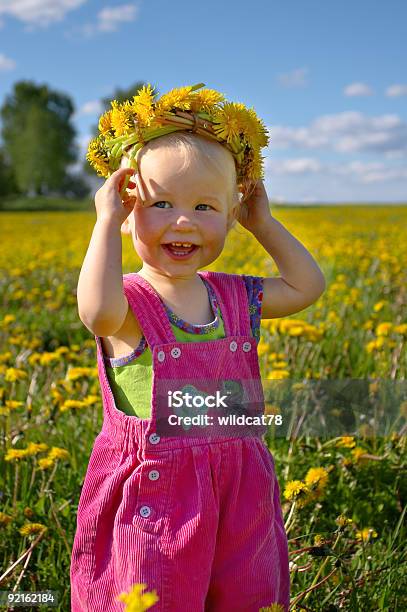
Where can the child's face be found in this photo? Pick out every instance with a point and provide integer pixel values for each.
(182, 205)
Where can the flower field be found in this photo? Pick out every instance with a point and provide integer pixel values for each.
(341, 467)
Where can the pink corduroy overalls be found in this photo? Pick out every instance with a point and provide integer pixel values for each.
(196, 519)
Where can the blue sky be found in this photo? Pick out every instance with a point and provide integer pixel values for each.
(328, 79)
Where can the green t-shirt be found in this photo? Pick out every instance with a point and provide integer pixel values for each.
(131, 383)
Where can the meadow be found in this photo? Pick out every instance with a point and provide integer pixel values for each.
(341, 466)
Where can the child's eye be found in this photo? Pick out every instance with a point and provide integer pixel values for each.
(156, 204)
(204, 205)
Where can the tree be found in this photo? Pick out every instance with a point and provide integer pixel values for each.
(38, 137)
(7, 179)
(120, 95)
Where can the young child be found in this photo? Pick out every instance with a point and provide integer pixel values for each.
(197, 518)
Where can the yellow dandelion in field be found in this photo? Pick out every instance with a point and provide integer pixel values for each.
(58, 453)
(13, 374)
(379, 305)
(136, 601)
(343, 520)
(319, 540)
(45, 463)
(80, 372)
(278, 375)
(400, 329)
(90, 400)
(366, 534)
(12, 404)
(49, 358)
(5, 519)
(32, 528)
(317, 477)
(15, 454)
(275, 607)
(5, 357)
(295, 489)
(34, 448)
(68, 404)
(358, 454)
(383, 328)
(346, 442)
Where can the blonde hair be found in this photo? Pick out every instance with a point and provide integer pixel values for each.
(215, 156)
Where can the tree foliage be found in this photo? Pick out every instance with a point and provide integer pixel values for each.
(38, 137)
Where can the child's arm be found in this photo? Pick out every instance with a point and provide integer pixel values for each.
(301, 282)
(102, 305)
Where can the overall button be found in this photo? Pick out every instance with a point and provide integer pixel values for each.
(233, 346)
(145, 511)
(175, 352)
(153, 438)
(160, 355)
(154, 475)
(247, 347)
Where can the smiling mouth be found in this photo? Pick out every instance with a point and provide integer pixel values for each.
(180, 250)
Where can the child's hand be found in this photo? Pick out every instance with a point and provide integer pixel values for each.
(109, 203)
(255, 210)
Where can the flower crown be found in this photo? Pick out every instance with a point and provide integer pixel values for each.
(128, 126)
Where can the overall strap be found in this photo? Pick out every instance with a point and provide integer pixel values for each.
(232, 295)
(149, 310)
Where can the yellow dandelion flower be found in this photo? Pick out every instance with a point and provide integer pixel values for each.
(342, 520)
(142, 105)
(33, 448)
(179, 97)
(13, 374)
(97, 156)
(122, 121)
(80, 372)
(206, 100)
(317, 477)
(383, 328)
(379, 305)
(357, 453)
(400, 329)
(366, 534)
(5, 519)
(136, 601)
(45, 463)
(58, 453)
(346, 441)
(278, 375)
(294, 489)
(228, 121)
(32, 528)
(15, 454)
(105, 123)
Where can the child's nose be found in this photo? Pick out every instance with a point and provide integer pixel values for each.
(184, 221)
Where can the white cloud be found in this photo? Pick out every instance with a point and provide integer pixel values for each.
(346, 132)
(361, 172)
(38, 12)
(295, 78)
(6, 63)
(299, 165)
(93, 107)
(110, 18)
(395, 91)
(358, 89)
